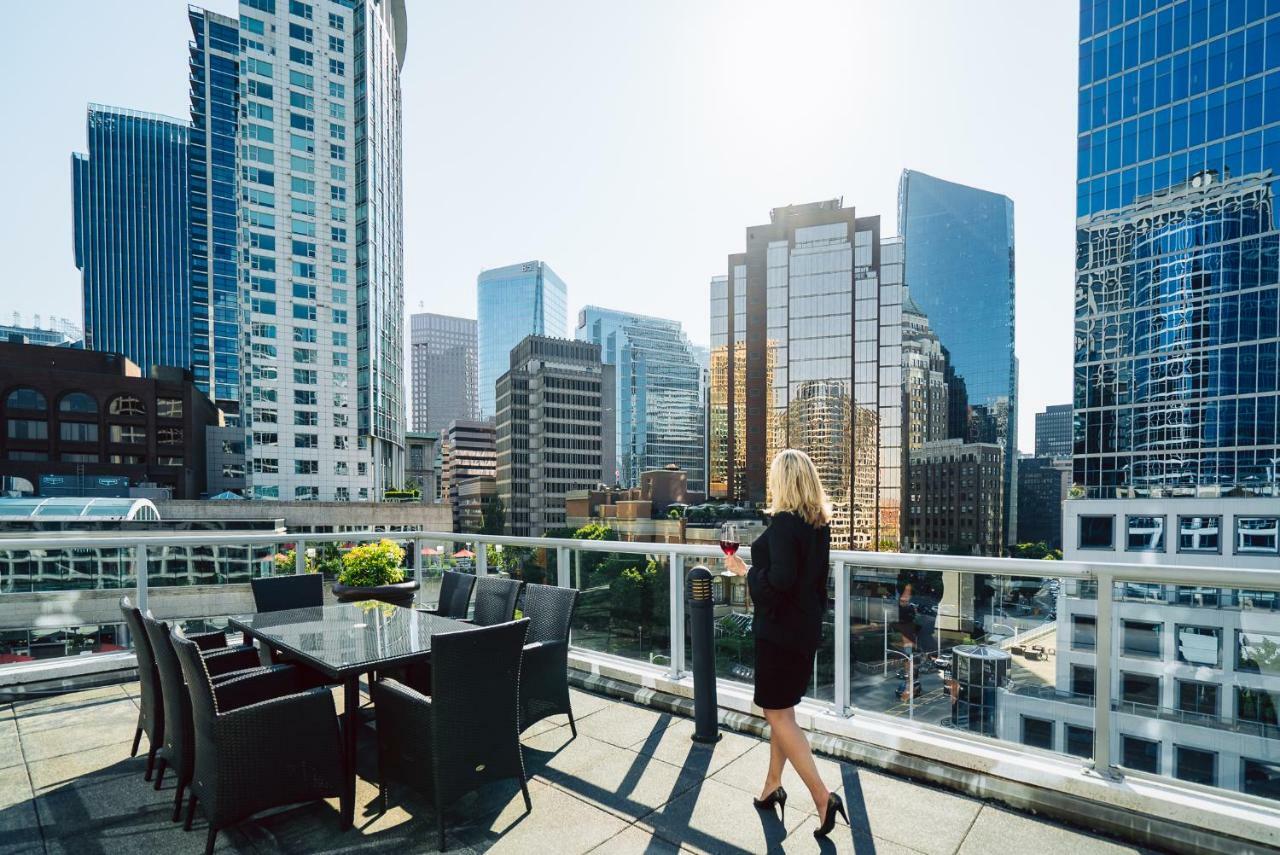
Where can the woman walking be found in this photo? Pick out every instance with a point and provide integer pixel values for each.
(788, 583)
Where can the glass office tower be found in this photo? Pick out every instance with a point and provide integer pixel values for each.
(513, 302)
(1176, 249)
(215, 313)
(130, 195)
(960, 268)
(442, 356)
(658, 382)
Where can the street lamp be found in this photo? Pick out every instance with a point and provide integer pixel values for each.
(911, 680)
(1006, 626)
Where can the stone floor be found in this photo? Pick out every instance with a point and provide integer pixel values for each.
(632, 781)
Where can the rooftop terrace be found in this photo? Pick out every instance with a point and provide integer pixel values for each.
(632, 781)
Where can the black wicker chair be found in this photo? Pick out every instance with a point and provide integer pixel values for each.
(150, 706)
(223, 663)
(297, 591)
(544, 673)
(455, 594)
(259, 742)
(466, 733)
(496, 600)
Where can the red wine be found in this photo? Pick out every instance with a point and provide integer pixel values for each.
(728, 547)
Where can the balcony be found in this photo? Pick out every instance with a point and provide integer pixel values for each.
(943, 710)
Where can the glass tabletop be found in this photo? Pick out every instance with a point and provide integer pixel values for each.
(349, 638)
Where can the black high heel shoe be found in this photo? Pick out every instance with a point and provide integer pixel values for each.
(834, 805)
(777, 797)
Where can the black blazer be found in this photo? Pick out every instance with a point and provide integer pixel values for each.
(788, 581)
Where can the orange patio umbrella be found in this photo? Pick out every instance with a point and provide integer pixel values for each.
(464, 553)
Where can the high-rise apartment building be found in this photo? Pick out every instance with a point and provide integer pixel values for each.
(659, 394)
(468, 453)
(555, 428)
(960, 268)
(955, 498)
(926, 379)
(442, 355)
(320, 245)
(131, 240)
(1043, 485)
(1177, 251)
(806, 353)
(513, 302)
(1053, 431)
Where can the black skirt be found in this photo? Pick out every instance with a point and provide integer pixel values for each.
(782, 674)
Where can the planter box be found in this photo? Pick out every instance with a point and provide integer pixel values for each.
(399, 594)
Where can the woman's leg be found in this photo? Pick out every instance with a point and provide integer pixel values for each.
(777, 759)
(787, 735)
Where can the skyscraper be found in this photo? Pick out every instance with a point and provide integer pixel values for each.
(658, 382)
(960, 268)
(1177, 294)
(468, 454)
(321, 237)
(443, 364)
(1053, 431)
(554, 429)
(806, 353)
(513, 302)
(130, 198)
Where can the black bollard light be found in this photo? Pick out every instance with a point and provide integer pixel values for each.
(701, 628)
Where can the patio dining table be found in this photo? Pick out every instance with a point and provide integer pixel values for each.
(345, 641)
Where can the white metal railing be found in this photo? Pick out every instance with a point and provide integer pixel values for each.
(847, 566)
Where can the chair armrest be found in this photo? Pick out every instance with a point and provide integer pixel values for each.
(404, 724)
(256, 686)
(228, 659)
(208, 640)
(235, 675)
(284, 742)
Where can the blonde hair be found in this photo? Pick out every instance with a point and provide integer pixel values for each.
(794, 486)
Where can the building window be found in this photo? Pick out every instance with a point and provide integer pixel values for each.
(77, 402)
(1144, 534)
(1257, 706)
(306, 494)
(1257, 535)
(341, 494)
(126, 405)
(127, 434)
(125, 459)
(169, 408)
(1260, 778)
(1257, 652)
(306, 467)
(169, 436)
(263, 491)
(25, 399)
(1200, 534)
(1198, 698)
(78, 431)
(1142, 638)
(1079, 741)
(28, 429)
(306, 440)
(1195, 765)
(1082, 681)
(78, 457)
(1142, 755)
(1199, 645)
(266, 466)
(1097, 532)
(170, 460)
(1084, 632)
(1140, 689)
(1037, 732)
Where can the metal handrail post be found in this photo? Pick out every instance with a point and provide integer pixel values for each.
(300, 556)
(677, 616)
(482, 559)
(140, 574)
(842, 640)
(563, 575)
(1103, 653)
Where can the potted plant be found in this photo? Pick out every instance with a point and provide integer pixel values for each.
(372, 571)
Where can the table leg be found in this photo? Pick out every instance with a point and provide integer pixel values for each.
(350, 729)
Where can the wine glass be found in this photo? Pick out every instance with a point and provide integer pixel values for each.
(729, 543)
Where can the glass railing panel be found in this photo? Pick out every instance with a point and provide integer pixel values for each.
(624, 604)
(35, 570)
(1196, 686)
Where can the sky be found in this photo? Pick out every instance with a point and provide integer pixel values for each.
(628, 145)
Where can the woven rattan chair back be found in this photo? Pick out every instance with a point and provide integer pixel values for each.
(278, 593)
(495, 600)
(455, 594)
(550, 612)
(150, 704)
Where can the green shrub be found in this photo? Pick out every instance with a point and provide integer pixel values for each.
(286, 562)
(372, 564)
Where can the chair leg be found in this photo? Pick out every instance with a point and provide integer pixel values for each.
(160, 772)
(151, 764)
(209, 840)
(573, 728)
(137, 740)
(191, 812)
(440, 818)
(177, 801)
(524, 790)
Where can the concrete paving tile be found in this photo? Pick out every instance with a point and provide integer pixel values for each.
(558, 823)
(747, 773)
(997, 829)
(118, 709)
(7, 713)
(622, 782)
(106, 763)
(92, 733)
(10, 745)
(717, 818)
(675, 746)
(842, 839)
(624, 725)
(544, 726)
(585, 703)
(71, 700)
(19, 825)
(634, 840)
(887, 808)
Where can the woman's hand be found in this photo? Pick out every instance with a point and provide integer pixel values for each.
(735, 565)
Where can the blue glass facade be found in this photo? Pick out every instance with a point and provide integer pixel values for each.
(1177, 302)
(658, 384)
(960, 268)
(215, 317)
(513, 302)
(130, 193)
